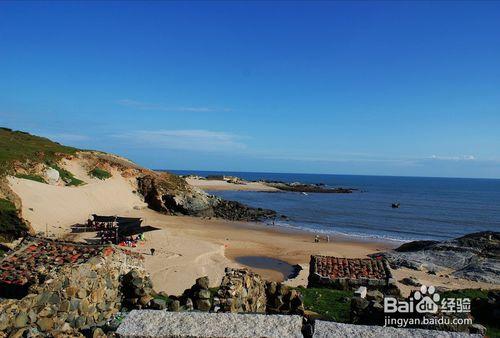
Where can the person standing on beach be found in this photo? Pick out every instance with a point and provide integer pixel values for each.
(153, 251)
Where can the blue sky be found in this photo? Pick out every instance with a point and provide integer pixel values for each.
(383, 88)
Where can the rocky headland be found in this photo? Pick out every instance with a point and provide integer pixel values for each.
(474, 257)
(168, 193)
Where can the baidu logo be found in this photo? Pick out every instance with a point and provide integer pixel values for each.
(425, 300)
(428, 299)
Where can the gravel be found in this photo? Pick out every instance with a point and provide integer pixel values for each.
(338, 330)
(154, 323)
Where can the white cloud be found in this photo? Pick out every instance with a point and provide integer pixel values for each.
(190, 139)
(158, 107)
(453, 158)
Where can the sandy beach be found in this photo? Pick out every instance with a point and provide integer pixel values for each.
(189, 247)
(224, 185)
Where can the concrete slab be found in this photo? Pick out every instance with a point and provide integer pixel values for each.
(155, 323)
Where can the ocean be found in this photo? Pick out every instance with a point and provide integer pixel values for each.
(431, 208)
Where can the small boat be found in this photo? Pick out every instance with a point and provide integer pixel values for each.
(395, 205)
(304, 193)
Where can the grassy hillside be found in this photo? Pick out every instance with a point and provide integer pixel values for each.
(11, 226)
(21, 146)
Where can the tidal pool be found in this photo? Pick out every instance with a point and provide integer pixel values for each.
(268, 263)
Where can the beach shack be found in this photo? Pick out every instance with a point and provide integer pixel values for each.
(115, 229)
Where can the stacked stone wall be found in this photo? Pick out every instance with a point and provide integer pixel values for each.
(241, 291)
(76, 297)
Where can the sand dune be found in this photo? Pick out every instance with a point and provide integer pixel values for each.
(58, 207)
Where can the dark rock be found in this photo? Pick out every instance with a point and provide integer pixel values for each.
(311, 188)
(203, 282)
(97, 332)
(45, 324)
(159, 304)
(204, 294)
(174, 306)
(411, 281)
(358, 303)
(375, 295)
(415, 246)
(21, 320)
(203, 305)
(189, 304)
(477, 329)
(171, 194)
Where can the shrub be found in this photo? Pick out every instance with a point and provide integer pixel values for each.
(66, 176)
(100, 173)
(33, 177)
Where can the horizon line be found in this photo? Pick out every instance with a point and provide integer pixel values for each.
(330, 174)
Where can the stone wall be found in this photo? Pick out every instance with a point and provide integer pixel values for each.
(73, 297)
(280, 299)
(244, 291)
(241, 291)
(138, 293)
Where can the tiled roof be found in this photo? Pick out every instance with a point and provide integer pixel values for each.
(334, 268)
(42, 256)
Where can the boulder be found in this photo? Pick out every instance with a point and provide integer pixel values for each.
(375, 295)
(360, 292)
(52, 176)
(411, 281)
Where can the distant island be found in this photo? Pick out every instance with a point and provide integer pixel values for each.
(223, 182)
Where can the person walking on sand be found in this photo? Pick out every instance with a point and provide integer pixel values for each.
(152, 251)
(316, 239)
(328, 238)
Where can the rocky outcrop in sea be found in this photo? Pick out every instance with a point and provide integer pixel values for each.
(305, 187)
(474, 256)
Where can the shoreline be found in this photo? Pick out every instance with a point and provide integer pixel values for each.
(189, 247)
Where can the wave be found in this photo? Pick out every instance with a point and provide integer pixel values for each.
(385, 238)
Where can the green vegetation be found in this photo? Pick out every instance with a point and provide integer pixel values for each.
(173, 182)
(21, 146)
(11, 225)
(100, 173)
(466, 293)
(66, 176)
(167, 299)
(330, 304)
(37, 178)
(481, 315)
